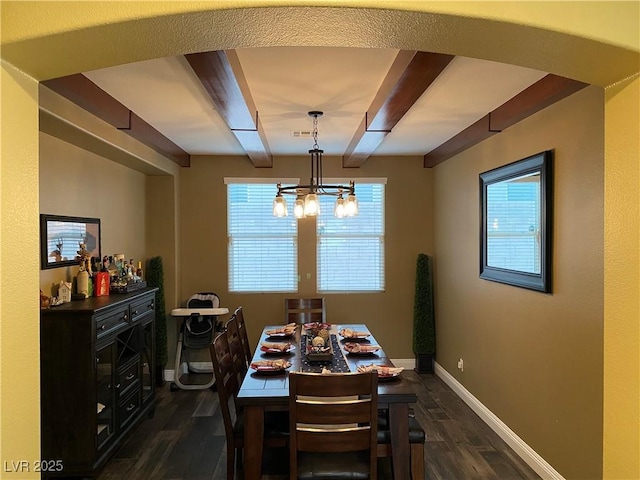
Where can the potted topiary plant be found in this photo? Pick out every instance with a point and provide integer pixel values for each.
(424, 328)
(155, 278)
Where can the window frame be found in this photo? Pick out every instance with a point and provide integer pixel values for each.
(541, 163)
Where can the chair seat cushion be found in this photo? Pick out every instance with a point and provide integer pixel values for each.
(416, 432)
(333, 466)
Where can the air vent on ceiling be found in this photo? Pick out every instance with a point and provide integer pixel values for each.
(301, 134)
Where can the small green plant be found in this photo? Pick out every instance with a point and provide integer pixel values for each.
(424, 329)
(155, 278)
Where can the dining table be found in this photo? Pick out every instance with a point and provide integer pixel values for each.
(263, 391)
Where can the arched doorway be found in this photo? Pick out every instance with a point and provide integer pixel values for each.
(49, 39)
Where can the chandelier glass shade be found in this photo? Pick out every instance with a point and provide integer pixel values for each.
(307, 203)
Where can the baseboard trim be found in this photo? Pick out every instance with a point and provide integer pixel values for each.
(524, 451)
(406, 363)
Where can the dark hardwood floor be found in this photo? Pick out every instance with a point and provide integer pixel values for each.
(185, 440)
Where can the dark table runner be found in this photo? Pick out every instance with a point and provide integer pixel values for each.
(337, 364)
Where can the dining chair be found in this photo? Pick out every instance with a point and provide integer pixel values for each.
(235, 347)
(417, 437)
(333, 426)
(276, 428)
(244, 336)
(304, 310)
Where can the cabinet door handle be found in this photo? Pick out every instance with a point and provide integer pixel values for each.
(125, 317)
(103, 327)
(151, 305)
(131, 407)
(135, 312)
(117, 386)
(129, 377)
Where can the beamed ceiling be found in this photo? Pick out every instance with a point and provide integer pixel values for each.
(254, 102)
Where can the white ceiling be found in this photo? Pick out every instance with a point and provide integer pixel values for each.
(287, 82)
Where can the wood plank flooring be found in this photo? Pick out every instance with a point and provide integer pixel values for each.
(185, 440)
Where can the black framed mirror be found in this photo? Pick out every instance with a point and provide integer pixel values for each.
(60, 239)
(516, 223)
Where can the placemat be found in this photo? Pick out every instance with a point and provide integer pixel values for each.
(338, 363)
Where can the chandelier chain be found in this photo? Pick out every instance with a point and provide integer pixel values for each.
(315, 132)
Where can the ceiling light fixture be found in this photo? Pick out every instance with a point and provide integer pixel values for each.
(307, 203)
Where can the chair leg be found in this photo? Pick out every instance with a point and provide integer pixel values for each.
(239, 463)
(417, 458)
(417, 461)
(231, 462)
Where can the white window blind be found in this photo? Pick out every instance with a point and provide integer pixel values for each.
(262, 249)
(350, 251)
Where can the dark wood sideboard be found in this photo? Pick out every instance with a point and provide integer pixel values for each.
(97, 378)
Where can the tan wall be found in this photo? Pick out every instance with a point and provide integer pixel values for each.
(19, 264)
(622, 281)
(535, 360)
(408, 232)
(79, 183)
(162, 240)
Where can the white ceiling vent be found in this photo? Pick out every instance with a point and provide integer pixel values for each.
(301, 133)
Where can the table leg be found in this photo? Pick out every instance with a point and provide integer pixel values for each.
(399, 428)
(253, 439)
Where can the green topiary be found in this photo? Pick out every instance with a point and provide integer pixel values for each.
(155, 278)
(424, 328)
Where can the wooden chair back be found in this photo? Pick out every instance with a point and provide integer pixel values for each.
(333, 414)
(225, 369)
(304, 310)
(235, 347)
(244, 337)
(227, 384)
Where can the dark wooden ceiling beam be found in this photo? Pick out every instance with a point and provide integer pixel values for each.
(86, 94)
(408, 78)
(473, 134)
(83, 92)
(145, 133)
(221, 75)
(546, 91)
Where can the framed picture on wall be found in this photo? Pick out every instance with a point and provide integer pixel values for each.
(61, 236)
(516, 221)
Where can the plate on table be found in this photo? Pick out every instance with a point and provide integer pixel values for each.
(317, 326)
(279, 335)
(353, 335)
(359, 349)
(385, 373)
(385, 377)
(281, 332)
(270, 367)
(277, 348)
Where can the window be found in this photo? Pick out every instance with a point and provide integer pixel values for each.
(350, 251)
(262, 249)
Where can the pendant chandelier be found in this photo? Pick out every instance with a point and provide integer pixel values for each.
(307, 203)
